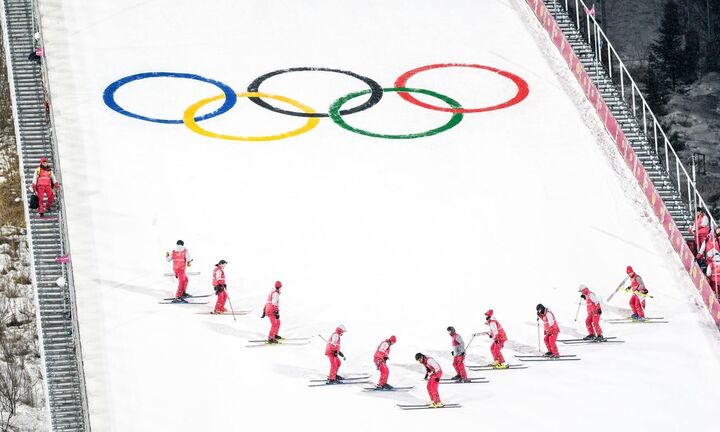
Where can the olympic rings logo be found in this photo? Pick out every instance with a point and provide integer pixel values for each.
(336, 113)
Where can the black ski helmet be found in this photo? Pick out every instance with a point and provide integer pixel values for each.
(180, 243)
(540, 309)
(451, 329)
(419, 356)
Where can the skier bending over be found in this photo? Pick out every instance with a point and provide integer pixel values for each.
(638, 290)
(458, 353)
(332, 351)
(433, 373)
(551, 330)
(180, 258)
(382, 355)
(220, 287)
(592, 322)
(272, 311)
(499, 337)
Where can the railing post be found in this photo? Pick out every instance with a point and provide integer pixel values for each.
(632, 87)
(577, 15)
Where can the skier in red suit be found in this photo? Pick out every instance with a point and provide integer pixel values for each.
(382, 354)
(700, 227)
(220, 287)
(433, 373)
(592, 322)
(499, 337)
(551, 330)
(458, 353)
(333, 353)
(638, 290)
(180, 258)
(43, 184)
(272, 311)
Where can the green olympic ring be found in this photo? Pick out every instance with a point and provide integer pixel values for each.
(334, 112)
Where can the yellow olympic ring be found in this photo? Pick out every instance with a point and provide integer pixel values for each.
(189, 118)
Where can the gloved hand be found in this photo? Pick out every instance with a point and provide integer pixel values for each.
(426, 376)
(599, 311)
(335, 353)
(263, 315)
(56, 185)
(167, 254)
(189, 263)
(452, 353)
(582, 296)
(341, 354)
(386, 358)
(436, 379)
(277, 315)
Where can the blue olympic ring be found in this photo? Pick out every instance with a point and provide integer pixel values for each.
(109, 95)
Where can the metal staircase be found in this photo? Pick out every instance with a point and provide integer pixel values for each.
(59, 341)
(635, 129)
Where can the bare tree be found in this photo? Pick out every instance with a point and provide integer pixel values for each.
(12, 382)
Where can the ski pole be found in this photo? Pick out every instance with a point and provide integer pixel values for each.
(578, 310)
(538, 327)
(618, 288)
(231, 308)
(469, 343)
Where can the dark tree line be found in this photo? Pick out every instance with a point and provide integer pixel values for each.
(687, 46)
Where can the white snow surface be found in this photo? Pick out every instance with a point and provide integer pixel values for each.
(508, 209)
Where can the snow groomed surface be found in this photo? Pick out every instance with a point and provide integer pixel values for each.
(611, 124)
(504, 210)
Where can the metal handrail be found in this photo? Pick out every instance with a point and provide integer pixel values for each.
(694, 199)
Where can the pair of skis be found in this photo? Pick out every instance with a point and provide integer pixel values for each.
(427, 406)
(358, 379)
(491, 367)
(188, 299)
(538, 358)
(283, 341)
(611, 339)
(630, 320)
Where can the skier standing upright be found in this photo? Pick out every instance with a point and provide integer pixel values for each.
(220, 287)
(272, 311)
(382, 354)
(551, 330)
(181, 259)
(43, 183)
(458, 353)
(333, 353)
(499, 337)
(637, 289)
(433, 373)
(594, 310)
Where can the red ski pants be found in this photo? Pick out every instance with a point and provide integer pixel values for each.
(637, 306)
(274, 325)
(220, 303)
(495, 348)
(432, 387)
(550, 339)
(41, 191)
(592, 322)
(384, 372)
(334, 366)
(182, 282)
(459, 365)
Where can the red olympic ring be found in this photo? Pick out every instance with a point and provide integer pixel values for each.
(521, 84)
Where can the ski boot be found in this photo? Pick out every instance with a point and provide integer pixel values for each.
(456, 377)
(436, 404)
(634, 317)
(589, 337)
(387, 387)
(640, 319)
(600, 338)
(178, 300)
(186, 294)
(335, 381)
(548, 354)
(278, 337)
(498, 365)
(555, 356)
(271, 341)
(339, 378)
(464, 380)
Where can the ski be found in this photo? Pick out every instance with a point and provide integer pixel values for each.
(427, 406)
(285, 339)
(575, 340)
(267, 344)
(442, 380)
(542, 356)
(593, 341)
(472, 381)
(492, 367)
(338, 383)
(544, 359)
(237, 313)
(639, 322)
(398, 389)
(191, 296)
(193, 273)
(359, 377)
(184, 302)
(630, 319)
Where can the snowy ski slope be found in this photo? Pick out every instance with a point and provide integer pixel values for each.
(508, 208)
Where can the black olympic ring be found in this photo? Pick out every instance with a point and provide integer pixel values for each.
(376, 91)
